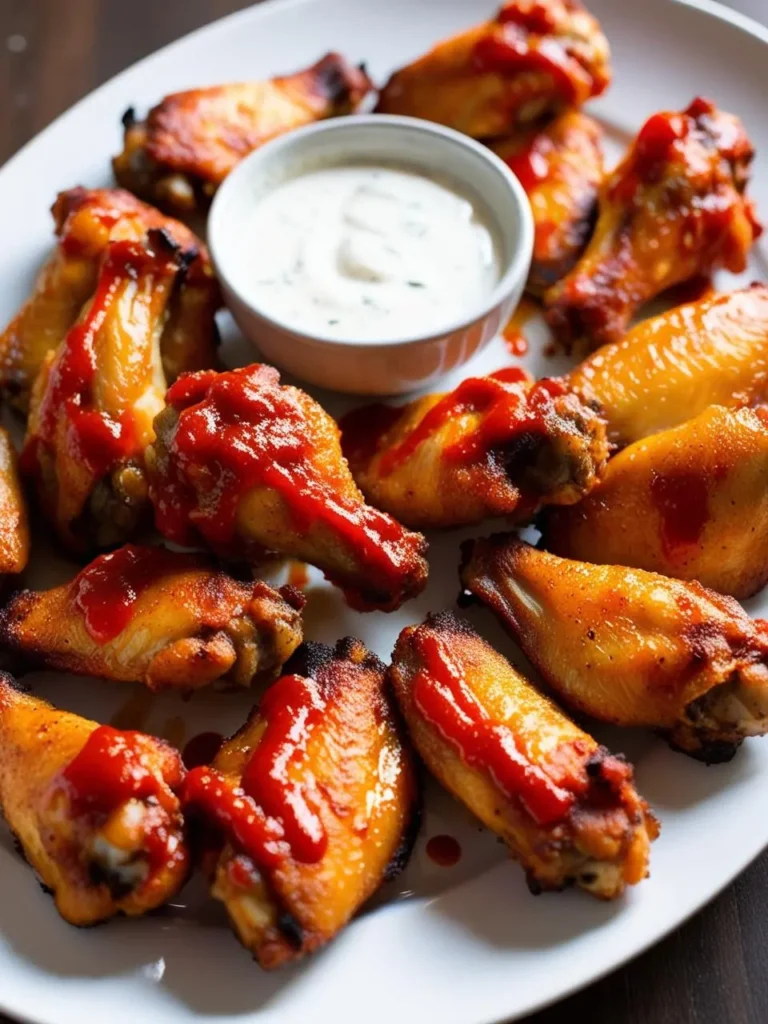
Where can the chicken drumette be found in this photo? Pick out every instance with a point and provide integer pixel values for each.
(673, 209)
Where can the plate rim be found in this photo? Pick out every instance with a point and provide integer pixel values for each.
(714, 9)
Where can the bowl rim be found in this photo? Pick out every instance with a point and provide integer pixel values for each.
(516, 265)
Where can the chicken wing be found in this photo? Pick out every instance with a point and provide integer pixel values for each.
(87, 221)
(631, 647)
(250, 465)
(565, 807)
(315, 799)
(690, 502)
(158, 617)
(673, 209)
(536, 57)
(14, 526)
(96, 397)
(93, 809)
(190, 141)
(671, 368)
(495, 446)
(560, 166)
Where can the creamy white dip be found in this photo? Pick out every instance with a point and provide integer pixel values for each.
(367, 253)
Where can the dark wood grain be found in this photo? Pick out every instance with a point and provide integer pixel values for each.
(713, 970)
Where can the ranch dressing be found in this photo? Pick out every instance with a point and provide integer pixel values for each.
(368, 252)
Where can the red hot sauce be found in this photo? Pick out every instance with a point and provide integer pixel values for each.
(271, 815)
(442, 696)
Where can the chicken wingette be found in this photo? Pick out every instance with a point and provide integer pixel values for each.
(162, 618)
(690, 502)
(630, 647)
(14, 524)
(566, 808)
(191, 140)
(674, 366)
(97, 395)
(315, 801)
(94, 809)
(250, 465)
(560, 166)
(531, 60)
(86, 221)
(495, 446)
(672, 210)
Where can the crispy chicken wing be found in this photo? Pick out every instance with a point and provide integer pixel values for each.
(190, 141)
(96, 397)
(87, 220)
(673, 209)
(498, 445)
(158, 617)
(631, 647)
(536, 57)
(93, 809)
(14, 526)
(560, 166)
(691, 502)
(315, 799)
(250, 465)
(671, 368)
(565, 807)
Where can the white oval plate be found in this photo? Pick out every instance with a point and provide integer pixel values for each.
(470, 945)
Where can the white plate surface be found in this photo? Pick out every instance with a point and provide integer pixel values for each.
(465, 945)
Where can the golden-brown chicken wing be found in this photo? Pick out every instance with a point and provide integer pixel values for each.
(96, 397)
(190, 141)
(673, 209)
(495, 446)
(158, 617)
(674, 366)
(315, 799)
(93, 808)
(14, 526)
(631, 647)
(87, 220)
(536, 57)
(250, 465)
(565, 807)
(691, 502)
(560, 166)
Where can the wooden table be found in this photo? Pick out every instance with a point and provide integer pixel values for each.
(713, 970)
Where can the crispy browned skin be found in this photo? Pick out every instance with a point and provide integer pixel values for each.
(365, 794)
(602, 840)
(96, 396)
(560, 166)
(631, 647)
(191, 625)
(674, 366)
(691, 502)
(489, 448)
(191, 140)
(97, 862)
(532, 59)
(250, 465)
(673, 209)
(86, 221)
(14, 526)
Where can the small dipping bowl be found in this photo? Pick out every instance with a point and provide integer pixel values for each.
(399, 364)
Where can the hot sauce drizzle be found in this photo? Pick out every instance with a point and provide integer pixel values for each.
(682, 502)
(443, 850)
(270, 816)
(107, 590)
(442, 696)
(513, 335)
(506, 407)
(241, 430)
(92, 435)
